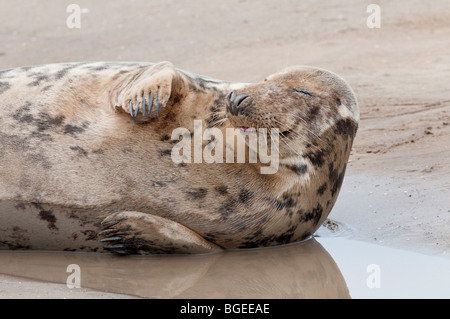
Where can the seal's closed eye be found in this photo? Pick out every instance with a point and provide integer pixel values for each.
(302, 91)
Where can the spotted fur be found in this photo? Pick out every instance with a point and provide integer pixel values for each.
(83, 141)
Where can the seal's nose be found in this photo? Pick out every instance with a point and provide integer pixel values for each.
(234, 102)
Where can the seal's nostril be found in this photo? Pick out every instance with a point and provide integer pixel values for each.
(231, 97)
(240, 99)
(234, 101)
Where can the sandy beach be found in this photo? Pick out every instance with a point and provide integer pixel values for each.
(396, 192)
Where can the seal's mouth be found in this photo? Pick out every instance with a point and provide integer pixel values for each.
(245, 129)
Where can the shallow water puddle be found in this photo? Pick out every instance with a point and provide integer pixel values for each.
(374, 271)
(325, 267)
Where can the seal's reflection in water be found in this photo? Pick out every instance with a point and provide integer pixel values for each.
(301, 270)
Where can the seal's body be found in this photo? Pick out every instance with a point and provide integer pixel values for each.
(86, 158)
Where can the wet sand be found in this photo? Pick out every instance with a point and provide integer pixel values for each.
(397, 189)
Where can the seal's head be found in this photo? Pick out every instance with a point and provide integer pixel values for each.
(302, 102)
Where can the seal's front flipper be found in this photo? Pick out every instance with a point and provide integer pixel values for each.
(148, 93)
(138, 233)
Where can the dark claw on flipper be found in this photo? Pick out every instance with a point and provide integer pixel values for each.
(157, 103)
(143, 105)
(131, 108)
(150, 104)
(107, 224)
(137, 109)
(107, 231)
(105, 240)
(114, 238)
